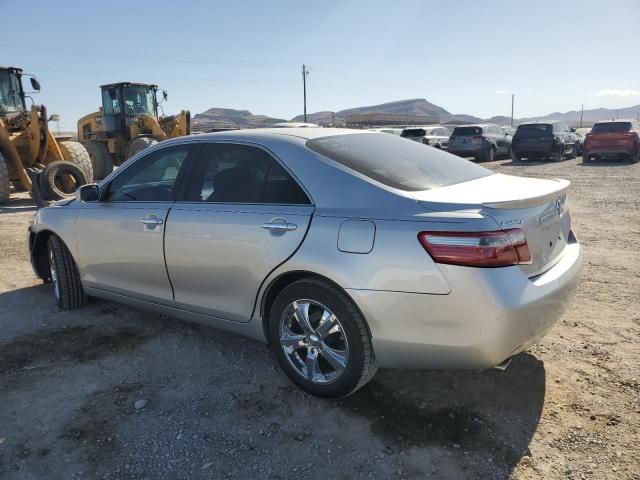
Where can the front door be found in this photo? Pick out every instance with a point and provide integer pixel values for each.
(243, 215)
(120, 238)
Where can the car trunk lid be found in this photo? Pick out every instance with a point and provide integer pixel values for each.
(535, 206)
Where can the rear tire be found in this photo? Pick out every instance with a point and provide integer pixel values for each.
(349, 337)
(558, 156)
(585, 157)
(64, 275)
(60, 180)
(75, 153)
(101, 159)
(515, 157)
(139, 144)
(635, 158)
(490, 156)
(5, 181)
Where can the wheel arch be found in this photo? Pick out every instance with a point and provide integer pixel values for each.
(285, 279)
(38, 249)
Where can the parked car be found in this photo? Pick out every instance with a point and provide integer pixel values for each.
(346, 250)
(483, 142)
(551, 139)
(580, 134)
(433, 135)
(614, 138)
(391, 130)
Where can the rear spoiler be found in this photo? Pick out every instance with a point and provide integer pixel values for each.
(561, 190)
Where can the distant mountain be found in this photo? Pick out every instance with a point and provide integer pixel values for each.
(221, 118)
(416, 106)
(589, 116)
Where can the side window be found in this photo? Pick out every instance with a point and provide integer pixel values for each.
(230, 173)
(150, 179)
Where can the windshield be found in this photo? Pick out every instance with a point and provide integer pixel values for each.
(139, 100)
(534, 129)
(395, 162)
(10, 99)
(611, 127)
(467, 131)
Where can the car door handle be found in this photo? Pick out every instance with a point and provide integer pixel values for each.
(279, 226)
(151, 221)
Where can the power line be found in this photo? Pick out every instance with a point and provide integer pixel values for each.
(152, 58)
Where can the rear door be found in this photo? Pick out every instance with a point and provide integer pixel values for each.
(120, 237)
(242, 216)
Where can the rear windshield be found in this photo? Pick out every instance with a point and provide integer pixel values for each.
(611, 127)
(467, 131)
(413, 132)
(396, 162)
(534, 129)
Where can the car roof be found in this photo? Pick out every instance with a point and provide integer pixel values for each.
(271, 133)
(618, 120)
(541, 122)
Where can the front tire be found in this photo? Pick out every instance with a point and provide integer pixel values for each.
(5, 181)
(320, 339)
(490, 156)
(138, 144)
(64, 275)
(101, 159)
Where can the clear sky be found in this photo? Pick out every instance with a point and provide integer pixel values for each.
(466, 56)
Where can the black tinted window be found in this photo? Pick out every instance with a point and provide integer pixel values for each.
(534, 129)
(232, 173)
(611, 127)
(150, 179)
(395, 162)
(413, 132)
(467, 131)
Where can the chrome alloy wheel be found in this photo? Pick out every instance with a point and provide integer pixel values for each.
(54, 275)
(313, 341)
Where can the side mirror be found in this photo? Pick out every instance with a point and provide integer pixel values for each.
(88, 193)
(35, 84)
(54, 118)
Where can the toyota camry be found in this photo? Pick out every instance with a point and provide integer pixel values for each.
(345, 250)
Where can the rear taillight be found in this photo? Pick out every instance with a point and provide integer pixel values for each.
(479, 249)
(425, 141)
(477, 137)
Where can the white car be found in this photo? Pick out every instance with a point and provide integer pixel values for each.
(433, 135)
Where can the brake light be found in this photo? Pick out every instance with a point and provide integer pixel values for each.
(425, 141)
(478, 249)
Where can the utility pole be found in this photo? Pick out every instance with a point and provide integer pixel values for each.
(581, 114)
(512, 100)
(305, 73)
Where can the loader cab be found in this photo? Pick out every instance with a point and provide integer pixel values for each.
(122, 103)
(11, 91)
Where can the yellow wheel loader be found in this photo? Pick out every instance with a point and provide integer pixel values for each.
(127, 122)
(31, 158)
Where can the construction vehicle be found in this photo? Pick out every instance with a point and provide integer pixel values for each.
(31, 157)
(127, 122)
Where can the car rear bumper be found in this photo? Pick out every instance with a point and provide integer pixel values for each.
(490, 315)
(533, 148)
(467, 151)
(610, 151)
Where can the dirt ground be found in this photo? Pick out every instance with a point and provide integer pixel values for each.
(214, 405)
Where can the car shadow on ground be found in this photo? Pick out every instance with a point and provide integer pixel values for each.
(489, 414)
(606, 163)
(452, 418)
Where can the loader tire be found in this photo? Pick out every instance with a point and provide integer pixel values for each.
(60, 180)
(101, 159)
(139, 144)
(5, 183)
(75, 153)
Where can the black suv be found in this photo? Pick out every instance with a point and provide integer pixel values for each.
(552, 139)
(483, 142)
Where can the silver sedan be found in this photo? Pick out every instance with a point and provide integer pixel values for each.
(345, 250)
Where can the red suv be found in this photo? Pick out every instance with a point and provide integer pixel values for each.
(612, 139)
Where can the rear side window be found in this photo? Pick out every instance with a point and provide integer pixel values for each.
(611, 127)
(231, 173)
(467, 131)
(413, 132)
(394, 162)
(534, 129)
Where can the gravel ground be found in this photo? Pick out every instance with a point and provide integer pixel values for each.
(107, 391)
